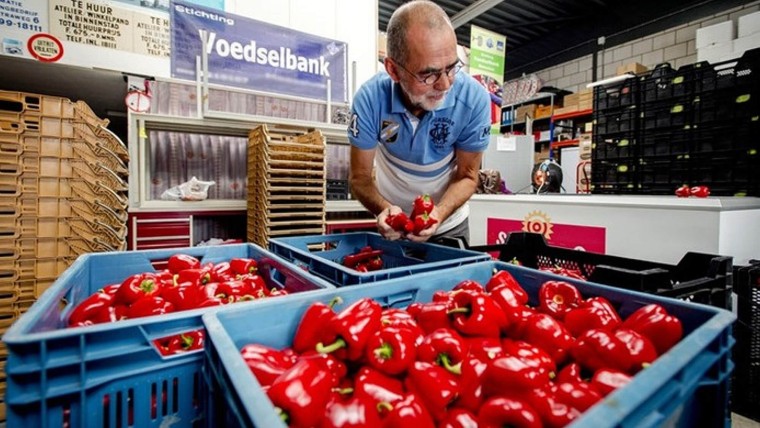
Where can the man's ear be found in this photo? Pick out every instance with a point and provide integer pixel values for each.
(391, 69)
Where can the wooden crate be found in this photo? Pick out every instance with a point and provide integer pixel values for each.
(286, 183)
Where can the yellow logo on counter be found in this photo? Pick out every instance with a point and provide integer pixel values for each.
(538, 222)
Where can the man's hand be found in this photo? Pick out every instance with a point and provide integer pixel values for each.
(384, 228)
(426, 233)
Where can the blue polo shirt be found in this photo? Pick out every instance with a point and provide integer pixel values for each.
(417, 156)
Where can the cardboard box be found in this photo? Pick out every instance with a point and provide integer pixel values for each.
(714, 34)
(570, 99)
(528, 110)
(743, 44)
(633, 67)
(566, 109)
(748, 25)
(716, 53)
(543, 111)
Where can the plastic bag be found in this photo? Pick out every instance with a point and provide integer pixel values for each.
(192, 190)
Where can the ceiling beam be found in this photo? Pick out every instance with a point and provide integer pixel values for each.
(471, 11)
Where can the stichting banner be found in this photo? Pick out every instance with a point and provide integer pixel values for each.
(250, 54)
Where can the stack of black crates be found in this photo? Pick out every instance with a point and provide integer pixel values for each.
(695, 125)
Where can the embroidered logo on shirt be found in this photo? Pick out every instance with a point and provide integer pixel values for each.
(389, 131)
(439, 133)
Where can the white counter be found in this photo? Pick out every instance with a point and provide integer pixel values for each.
(655, 228)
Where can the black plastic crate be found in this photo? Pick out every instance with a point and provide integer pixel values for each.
(665, 143)
(664, 83)
(725, 106)
(616, 95)
(337, 190)
(616, 121)
(614, 147)
(662, 175)
(745, 394)
(727, 173)
(740, 135)
(698, 277)
(617, 171)
(674, 113)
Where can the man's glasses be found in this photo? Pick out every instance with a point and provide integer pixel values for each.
(431, 78)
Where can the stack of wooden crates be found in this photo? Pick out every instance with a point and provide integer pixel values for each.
(286, 184)
(62, 194)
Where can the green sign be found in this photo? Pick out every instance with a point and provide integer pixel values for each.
(487, 51)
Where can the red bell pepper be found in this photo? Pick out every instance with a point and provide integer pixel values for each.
(422, 222)
(684, 191)
(148, 306)
(348, 332)
(556, 298)
(336, 367)
(598, 349)
(436, 387)
(470, 285)
(700, 191)
(313, 320)
(391, 350)
(266, 363)
(274, 292)
(348, 412)
(509, 373)
(553, 413)
(572, 372)
(476, 314)
(531, 354)
(504, 278)
(243, 266)
(423, 204)
(579, 395)
(409, 412)
(431, 316)
(256, 283)
(137, 286)
(595, 312)
(641, 351)
(95, 309)
(547, 333)
(197, 276)
(180, 262)
(222, 272)
(517, 320)
(485, 348)
(443, 347)
(165, 277)
(301, 393)
(185, 342)
(459, 418)
(471, 383)
(498, 412)
(400, 222)
(654, 322)
(393, 317)
(232, 290)
(378, 386)
(605, 381)
(356, 259)
(183, 296)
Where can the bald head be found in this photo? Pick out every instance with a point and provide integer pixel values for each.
(418, 13)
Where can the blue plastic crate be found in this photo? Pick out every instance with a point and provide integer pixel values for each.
(323, 256)
(107, 375)
(686, 387)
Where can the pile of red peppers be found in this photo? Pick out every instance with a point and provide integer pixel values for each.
(475, 356)
(185, 284)
(366, 259)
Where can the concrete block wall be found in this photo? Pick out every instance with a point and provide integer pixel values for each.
(676, 46)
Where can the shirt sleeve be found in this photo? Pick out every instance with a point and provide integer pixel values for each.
(361, 133)
(476, 133)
